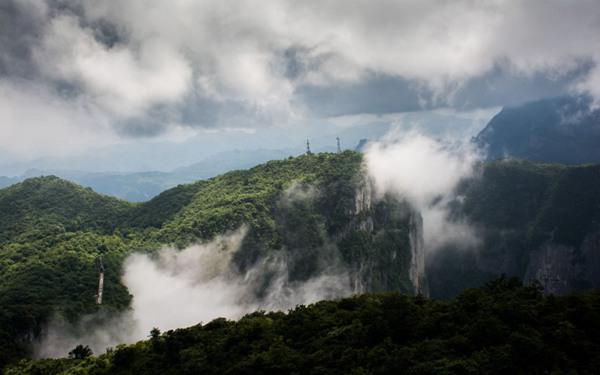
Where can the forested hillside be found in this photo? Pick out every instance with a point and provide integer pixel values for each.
(53, 234)
(44, 206)
(502, 328)
(534, 221)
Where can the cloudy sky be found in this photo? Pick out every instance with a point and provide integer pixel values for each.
(81, 75)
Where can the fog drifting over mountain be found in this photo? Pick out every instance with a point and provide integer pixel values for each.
(426, 173)
(181, 288)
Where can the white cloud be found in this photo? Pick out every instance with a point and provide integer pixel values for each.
(419, 168)
(124, 81)
(242, 62)
(33, 123)
(436, 42)
(425, 172)
(178, 289)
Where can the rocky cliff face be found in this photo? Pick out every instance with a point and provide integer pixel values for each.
(535, 221)
(417, 255)
(398, 239)
(561, 269)
(344, 228)
(363, 202)
(553, 267)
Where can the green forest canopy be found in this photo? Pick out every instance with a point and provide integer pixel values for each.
(501, 328)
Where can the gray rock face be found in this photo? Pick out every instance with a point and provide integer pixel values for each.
(365, 201)
(561, 269)
(535, 222)
(590, 256)
(553, 267)
(364, 198)
(417, 251)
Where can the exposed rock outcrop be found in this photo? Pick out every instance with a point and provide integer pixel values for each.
(417, 251)
(561, 269)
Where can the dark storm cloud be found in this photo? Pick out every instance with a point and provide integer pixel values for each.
(378, 94)
(21, 24)
(104, 70)
(375, 94)
(501, 87)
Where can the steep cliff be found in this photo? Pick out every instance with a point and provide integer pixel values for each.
(417, 256)
(534, 221)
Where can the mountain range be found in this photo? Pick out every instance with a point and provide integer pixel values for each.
(142, 186)
(535, 221)
(113, 171)
(53, 232)
(307, 219)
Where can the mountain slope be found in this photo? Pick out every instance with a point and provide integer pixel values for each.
(287, 205)
(42, 206)
(560, 130)
(534, 221)
(54, 233)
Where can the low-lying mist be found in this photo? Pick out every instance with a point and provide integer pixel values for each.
(179, 288)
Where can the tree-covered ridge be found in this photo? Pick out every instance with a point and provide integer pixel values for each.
(55, 232)
(49, 205)
(247, 196)
(51, 235)
(501, 328)
(547, 201)
(45, 206)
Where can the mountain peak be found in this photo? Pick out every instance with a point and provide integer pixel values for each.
(556, 130)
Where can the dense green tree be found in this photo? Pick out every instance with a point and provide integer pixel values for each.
(501, 328)
(80, 352)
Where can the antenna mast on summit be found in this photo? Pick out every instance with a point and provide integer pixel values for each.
(308, 152)
(100, 284)
(339, 147)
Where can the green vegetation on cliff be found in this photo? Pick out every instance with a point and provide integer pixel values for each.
(53, 233)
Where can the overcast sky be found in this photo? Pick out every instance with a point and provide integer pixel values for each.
(81, 74)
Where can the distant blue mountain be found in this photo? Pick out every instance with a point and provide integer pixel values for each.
(7, 181)
(142, 186)
(559, 130)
